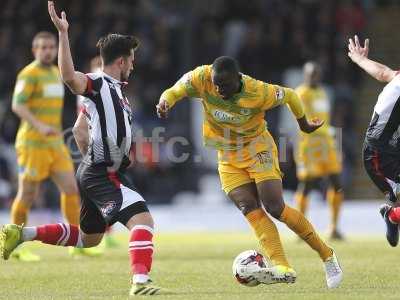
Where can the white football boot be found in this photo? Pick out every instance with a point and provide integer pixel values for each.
(333, 271)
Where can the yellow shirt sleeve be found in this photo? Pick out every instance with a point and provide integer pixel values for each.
(188, 86)
(278, 95)
(23, 88)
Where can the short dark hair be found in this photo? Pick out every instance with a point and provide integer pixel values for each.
(226, 64)
(115, 45)
(42, 35)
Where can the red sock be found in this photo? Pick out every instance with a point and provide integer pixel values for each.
(141, 249)
(59, 234)
(394, 215)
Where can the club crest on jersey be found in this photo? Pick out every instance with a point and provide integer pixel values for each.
(125, 105)
(245, 111)
(280, 94)
(107, 208)
(225, 117)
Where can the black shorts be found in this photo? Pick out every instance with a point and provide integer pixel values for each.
(107, 198)
(384, 169)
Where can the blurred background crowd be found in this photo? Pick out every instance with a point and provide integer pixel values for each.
(269, 38)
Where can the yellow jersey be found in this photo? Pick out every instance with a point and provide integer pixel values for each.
(232, 123)
(40, 88)
(316, 105)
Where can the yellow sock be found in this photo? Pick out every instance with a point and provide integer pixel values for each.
(302, 202)
(19, 212)
(70, 207)
(303, 228)
(268, 236)
(335, 199)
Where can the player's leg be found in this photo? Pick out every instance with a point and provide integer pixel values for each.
(63, 174)
(12, 235)
(90, 233)
(304, 187)
(26, 194)
(242, 191)
(69, 195)
(270, 194)
(141, 248)
(134, 214)
(304, 168)
(374, 170)
(246, 199)
(32, 170)
(335, 198)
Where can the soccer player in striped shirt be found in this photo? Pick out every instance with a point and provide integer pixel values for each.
(382, 141)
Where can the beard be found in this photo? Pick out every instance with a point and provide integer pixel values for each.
(124, 76)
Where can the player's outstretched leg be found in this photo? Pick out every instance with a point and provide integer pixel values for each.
(391, 216)
(269, 239)
(246, 199)
(12, 235)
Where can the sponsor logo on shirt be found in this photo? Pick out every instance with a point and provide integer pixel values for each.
(223, 116)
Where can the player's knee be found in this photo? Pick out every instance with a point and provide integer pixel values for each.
(275, 208)
(143, 218)
(247, 206)
(336, 184)
(26, 194)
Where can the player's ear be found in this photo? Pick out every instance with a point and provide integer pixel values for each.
(120, 61)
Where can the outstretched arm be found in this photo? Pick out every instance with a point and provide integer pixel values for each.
(295, 105)
(76, 81)
(186, 86)
(278, 95)
(359, 55)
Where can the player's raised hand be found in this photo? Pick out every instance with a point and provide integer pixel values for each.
(356, 51)
(162, 109)
(309, 126)
(60, 23)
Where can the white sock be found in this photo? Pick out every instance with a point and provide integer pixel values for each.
(140, 278)
(29, 233)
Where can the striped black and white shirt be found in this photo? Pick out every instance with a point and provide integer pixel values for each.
(384, 129)
(109, 117)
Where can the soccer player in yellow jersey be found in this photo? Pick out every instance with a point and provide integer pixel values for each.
(316, 154)
(41, 153)
(234, 107)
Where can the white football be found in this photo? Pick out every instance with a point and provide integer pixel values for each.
(246, 264)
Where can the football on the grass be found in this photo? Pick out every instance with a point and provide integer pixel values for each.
(246, 265)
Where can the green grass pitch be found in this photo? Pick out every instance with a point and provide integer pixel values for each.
(198, 266)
